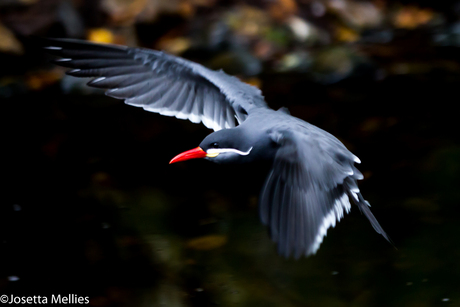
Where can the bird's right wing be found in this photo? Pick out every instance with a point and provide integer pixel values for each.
(308, 190)
(159, 82)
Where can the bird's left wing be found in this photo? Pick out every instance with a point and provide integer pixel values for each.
(159, 82)
(309, 189)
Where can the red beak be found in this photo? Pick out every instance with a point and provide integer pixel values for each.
(194, 153)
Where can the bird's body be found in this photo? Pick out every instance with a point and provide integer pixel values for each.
(313, 179)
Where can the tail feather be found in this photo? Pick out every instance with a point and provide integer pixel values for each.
(364, 208)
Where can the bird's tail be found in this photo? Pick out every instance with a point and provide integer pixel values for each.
(363, 206)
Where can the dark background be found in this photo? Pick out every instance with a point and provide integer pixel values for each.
(91, 207)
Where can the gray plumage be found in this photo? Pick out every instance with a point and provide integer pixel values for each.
(313, 180)
(159, 82)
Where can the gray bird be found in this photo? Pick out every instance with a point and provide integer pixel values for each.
(313, 179)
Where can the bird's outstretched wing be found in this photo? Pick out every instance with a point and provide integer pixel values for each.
(159, 82)
(308, 190)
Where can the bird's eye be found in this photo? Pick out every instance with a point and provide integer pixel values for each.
(214, 145)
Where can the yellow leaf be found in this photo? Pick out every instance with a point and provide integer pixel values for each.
(100, 35)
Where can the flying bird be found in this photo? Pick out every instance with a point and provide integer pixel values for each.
(313, 178)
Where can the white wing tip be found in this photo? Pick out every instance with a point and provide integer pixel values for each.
(52, 48)
(167, 112)
(355, 195)
(211, 124)
(330, 220)
(194, 118)
(98, 79)
(181, 115)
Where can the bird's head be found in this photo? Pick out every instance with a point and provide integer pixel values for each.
(223, 146)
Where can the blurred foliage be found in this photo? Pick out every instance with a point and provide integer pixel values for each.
(91, 206)
(369, 37)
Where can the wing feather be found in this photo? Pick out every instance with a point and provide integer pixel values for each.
(301, 199)
(165, 98)
(180, 101)
(131, 91)
(119, 81)
(195, 113)
(93, 63)
(186, 109)
(110, 71)
(142, 77)
(230, 120)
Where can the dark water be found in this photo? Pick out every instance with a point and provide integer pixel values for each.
(91, 206)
